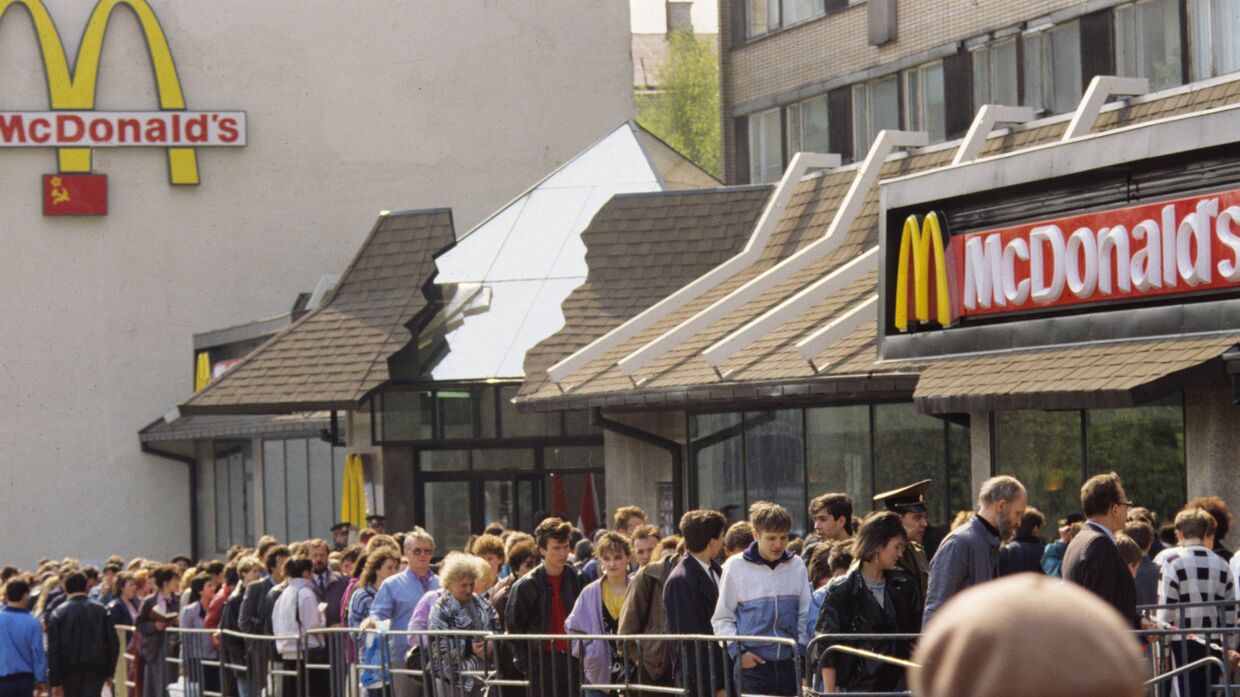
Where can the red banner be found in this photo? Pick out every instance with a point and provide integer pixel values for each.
(1188, 245)
(75, 194)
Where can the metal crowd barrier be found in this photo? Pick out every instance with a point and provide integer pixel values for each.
(1180, 646)
(552, 665)
(865, 646)
(123, 684)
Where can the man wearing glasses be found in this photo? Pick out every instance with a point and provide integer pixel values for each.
(1092, 560)
(399, 595)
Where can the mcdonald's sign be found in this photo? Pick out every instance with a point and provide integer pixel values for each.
(1170, 248)
(74, 127)
(922, 247)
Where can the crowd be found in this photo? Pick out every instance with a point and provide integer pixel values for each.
(749, 579)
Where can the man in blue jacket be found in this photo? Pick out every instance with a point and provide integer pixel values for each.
(765, 592)
(23, 665)
(690, 594)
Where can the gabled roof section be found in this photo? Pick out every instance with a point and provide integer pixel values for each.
(517, 267)
(772, 368)
(335, 355)
(640, 248)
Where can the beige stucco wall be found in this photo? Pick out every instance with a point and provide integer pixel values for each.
(1211, 441)
(353, 108)
(633, 467)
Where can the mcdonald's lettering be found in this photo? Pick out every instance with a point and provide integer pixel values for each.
(1169, 248)
(74, 127)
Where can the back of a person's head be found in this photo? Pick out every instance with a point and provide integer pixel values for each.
(738, 536)
(274, 553)
(16, 590)
(769, 517)
(1027, 635)
(1031, 522)
(1217, 509)
(8, 572)
(624, 513)
(641, 532)
(75, 582)
(699, 527)
(1141, 533)
(296, 567)
(1129, 550)
(1194, 523)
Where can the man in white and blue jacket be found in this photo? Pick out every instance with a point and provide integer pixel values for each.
(765, 592)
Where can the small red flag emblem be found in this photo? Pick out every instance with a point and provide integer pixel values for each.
(75, 194)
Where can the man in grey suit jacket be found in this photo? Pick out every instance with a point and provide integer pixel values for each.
(969, 554)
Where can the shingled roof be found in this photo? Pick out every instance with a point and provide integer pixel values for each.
(336, 354)
(639, 249)
(771, 368)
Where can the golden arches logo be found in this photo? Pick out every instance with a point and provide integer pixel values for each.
(74, 89)
(921, 241)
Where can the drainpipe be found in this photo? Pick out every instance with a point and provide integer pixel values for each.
(673, 449)
(193, 490)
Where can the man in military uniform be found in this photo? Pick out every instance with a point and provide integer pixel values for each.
(910, 502)
(340, 536)
(377, 523)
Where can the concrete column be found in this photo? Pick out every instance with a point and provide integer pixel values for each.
(634, 468)
(1211, 443)
(979, 448)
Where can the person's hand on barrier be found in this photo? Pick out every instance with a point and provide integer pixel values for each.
(367, 623)
(751, 660)
(160, 626)
(1234, 657)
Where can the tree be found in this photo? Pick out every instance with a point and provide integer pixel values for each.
(684, 113)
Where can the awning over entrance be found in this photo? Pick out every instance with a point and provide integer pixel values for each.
(335, 355)
(191, 428)
(1114, 374)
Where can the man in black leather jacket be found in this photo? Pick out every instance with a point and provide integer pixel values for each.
(552, 670)
(82, 645)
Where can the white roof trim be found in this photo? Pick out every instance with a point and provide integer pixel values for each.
(1101, 88)
(867, 174)
(793, 307)
(801, 163)
(838, 329)
(987, 117)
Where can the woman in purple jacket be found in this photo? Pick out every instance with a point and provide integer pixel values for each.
(598, 612)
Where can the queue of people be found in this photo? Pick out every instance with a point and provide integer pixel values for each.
(871, 576)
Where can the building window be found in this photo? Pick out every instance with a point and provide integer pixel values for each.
(466, 413)
(302, 482)
(1147, 42)
(925, 106)
(995, 74)
(1054, 452)
(876, 106)
(791, 455)
(807, 126)
(761, 17)
(1216, 37)
(1053, 68)
(765, 16)
(766, 157)
(234, 504)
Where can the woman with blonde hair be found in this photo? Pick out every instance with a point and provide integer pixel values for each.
(461, 609)
(597, 611)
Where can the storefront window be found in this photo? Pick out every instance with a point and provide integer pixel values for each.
(1054, 452)
(719, 457)
(445, 502)
(456, 413)
(791, 455)
(574, 457)
(910, 446)
(405, 415)
(1145, 446)
(775, 460)
(503, 459)
(514, 424)
(838, 447)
